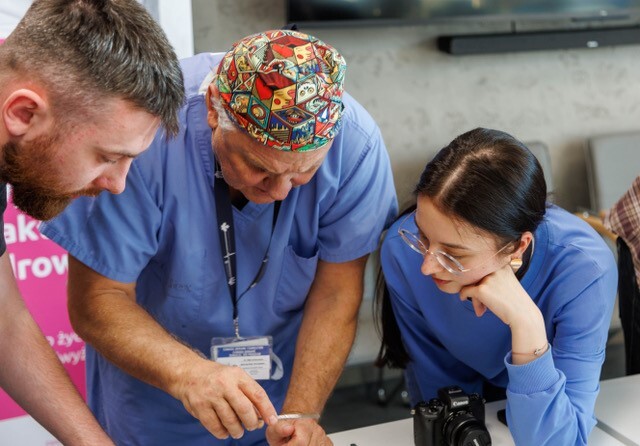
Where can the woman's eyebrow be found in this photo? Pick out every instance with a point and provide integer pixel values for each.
(448, 245)
(454, 246)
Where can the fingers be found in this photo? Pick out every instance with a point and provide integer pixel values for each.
(478, 307)
(212, 424)
(260, 401)
(227, 400)
(306, 433)
(279, 433)
(468, 293)
(245, 408)
(285, 429)
(229, 418)
(245, 411)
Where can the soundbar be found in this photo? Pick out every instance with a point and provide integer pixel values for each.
(535, 41)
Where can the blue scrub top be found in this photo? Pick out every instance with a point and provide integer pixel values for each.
(161, 233)
(572, 279)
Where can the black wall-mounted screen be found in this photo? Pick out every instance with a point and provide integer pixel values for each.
(337, 12)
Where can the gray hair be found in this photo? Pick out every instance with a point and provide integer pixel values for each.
(224, 120)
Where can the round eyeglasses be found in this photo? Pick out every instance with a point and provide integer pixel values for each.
(420, 244)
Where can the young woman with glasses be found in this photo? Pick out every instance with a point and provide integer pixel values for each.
(488, 284)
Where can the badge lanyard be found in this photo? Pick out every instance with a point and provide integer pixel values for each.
(224, 211)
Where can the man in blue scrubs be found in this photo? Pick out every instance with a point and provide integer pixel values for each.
(77, 103)
(248, 232)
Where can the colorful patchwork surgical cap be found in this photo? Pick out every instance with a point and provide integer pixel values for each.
(284, 88)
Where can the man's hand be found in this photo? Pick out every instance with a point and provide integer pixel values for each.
(225, 399)
(303, 432)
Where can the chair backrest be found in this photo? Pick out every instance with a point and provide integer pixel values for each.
(613, 162)
(541, 151)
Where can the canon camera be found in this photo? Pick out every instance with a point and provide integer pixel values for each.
(452, 419)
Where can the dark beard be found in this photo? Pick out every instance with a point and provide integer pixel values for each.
(28, 171)
(38, 204)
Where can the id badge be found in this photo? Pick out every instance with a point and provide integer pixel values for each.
(252, 354)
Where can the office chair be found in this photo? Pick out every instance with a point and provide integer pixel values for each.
(613, 162)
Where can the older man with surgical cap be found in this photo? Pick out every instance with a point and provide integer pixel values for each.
(221, 288)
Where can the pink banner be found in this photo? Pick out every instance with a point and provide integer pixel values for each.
(40, 267)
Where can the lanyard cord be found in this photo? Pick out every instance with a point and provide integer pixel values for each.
(224, 214)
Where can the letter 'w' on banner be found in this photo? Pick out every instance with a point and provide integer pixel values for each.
(40, 267)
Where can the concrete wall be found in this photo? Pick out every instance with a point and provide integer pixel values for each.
(176, 20)
(422, 98)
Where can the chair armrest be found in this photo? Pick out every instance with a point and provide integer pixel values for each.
(597, 224)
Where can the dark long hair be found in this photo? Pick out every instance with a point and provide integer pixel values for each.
(486, 178)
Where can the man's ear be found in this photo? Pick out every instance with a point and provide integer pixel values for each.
(25, 113)
(212, 113)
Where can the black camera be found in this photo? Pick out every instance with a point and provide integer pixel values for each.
(452, 419)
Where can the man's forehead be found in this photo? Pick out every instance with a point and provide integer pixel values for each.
(279, 162)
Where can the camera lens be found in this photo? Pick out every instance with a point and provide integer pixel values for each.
(463, 429)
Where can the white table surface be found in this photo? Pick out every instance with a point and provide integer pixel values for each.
(618, 408)
(400, 433)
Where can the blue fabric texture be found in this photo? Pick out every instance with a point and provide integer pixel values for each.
(550, 401)
(161, 233)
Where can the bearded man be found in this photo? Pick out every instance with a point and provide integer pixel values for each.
(84, 85)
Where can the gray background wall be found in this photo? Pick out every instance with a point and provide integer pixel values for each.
(422, 98)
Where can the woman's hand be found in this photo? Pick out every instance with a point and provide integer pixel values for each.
(502, 293)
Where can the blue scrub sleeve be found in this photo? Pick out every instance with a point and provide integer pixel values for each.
(364, 205)
(551, 400)
(115, 235)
